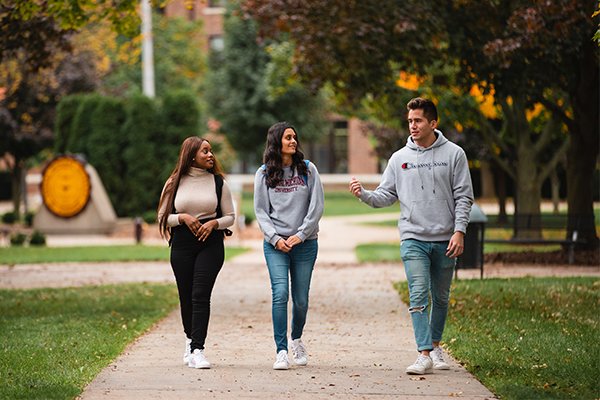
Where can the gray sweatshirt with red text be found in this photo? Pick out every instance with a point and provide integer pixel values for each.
(293, 207)
(433, 185)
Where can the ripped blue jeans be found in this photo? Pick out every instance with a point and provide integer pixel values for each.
(429, 273)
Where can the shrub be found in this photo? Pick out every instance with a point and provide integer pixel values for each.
(143, 131)
(37, 238)
(248, 219)
(149, 217)
(9, 218)
(65, 114)
(28, 218)
(17, 239)
(106, 148)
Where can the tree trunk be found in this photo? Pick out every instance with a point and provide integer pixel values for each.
(583, 152)
(527, 218)
(500, 188)
(17, 179)
(528, 197)
(487, 181)
(555, 186)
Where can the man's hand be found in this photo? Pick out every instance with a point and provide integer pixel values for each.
(355, 187)
(456, 245)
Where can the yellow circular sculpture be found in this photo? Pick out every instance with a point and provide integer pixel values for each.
(65, 187)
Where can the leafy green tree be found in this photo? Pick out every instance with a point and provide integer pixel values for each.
(179, 62)
(236, 93)
(34, 38)
(247, 90)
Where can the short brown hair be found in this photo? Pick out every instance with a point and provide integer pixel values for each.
(429, 109)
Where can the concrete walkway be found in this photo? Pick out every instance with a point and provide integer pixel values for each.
(358, 333)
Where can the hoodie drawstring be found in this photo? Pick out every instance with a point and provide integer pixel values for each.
(433, 169)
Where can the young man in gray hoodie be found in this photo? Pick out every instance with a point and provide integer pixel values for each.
(431, 180)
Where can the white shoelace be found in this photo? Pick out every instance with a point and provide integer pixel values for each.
(281, 357)
(421, 360)
(300, 350)
(437, 355)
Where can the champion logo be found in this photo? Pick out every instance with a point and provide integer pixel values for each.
(409, 165)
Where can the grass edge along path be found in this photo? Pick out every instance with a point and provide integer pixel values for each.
(117, 253)
(527, 338)
(390, 252)
(55, 341)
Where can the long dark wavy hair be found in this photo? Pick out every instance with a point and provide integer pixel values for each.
(188, 151)
(272, 155)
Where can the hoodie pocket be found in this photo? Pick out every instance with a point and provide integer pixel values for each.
(431, 216)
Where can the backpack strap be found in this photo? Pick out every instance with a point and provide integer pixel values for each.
(219, 191)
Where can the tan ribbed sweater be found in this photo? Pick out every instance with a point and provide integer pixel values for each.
(196, 196)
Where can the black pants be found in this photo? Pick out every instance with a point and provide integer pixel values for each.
(196, 265)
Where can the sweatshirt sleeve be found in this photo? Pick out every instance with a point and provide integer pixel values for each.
(227, 208)
(462, 189)
(385, 194)
(262, 208)
(310, 224)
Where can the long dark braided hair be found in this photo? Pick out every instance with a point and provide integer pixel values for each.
(272, 155)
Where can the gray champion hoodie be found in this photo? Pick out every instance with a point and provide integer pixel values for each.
(293, 207)
(433, 186)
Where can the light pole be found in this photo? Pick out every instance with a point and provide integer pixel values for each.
(147, 52)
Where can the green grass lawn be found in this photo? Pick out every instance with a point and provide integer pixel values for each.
(32, 255)
(527, 338)
(390, 252)
(336, 203)
(55, 341)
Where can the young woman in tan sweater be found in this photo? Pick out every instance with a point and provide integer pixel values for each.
(194, 221)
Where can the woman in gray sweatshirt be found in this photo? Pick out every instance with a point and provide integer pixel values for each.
(288, 203)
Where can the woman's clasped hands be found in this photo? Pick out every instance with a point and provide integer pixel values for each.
(286, 245)
(201, 230)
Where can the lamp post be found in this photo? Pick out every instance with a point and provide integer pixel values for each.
(147, 52)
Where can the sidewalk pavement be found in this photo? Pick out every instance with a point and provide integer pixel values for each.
(358, 333)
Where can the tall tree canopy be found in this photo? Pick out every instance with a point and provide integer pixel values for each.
(35, 36)
(249, 88)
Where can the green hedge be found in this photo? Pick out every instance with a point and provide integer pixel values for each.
(132, 142)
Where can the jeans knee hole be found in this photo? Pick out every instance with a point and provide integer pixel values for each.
(419, 309)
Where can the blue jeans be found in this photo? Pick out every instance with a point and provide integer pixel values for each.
(298, 265)
(429, 272)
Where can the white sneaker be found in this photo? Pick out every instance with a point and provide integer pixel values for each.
(198, 360)
(299, 353)
(282, 361)
(422, 366)
(188, 351)
(437, 357)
